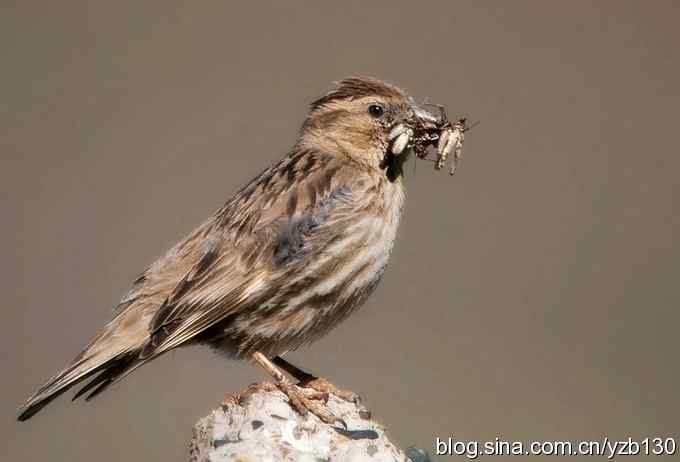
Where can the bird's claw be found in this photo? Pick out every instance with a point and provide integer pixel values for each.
(306, 401)
(340, 421)
(314, 394)
(324, 386)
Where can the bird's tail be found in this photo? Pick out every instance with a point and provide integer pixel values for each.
(105, 359)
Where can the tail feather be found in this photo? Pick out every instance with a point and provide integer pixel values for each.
(106, 359)
(116, 372)
(108, 364)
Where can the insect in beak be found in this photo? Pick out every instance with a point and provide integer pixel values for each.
(421, 120)
(424, 128)
(400, 137)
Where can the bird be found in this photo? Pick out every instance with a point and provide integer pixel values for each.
(288, 257)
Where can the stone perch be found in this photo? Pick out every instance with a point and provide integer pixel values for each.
(259, 424)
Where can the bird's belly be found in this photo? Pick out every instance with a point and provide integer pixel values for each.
(284, 324)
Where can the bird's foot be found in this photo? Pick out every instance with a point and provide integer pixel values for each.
(240, 397)
(306, 400)
(310, 395)
(322, 385)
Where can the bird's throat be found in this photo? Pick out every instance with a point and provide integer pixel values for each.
(393, 165)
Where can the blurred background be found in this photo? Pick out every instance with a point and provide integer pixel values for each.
(534, 296)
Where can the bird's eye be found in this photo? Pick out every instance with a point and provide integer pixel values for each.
(376, 110)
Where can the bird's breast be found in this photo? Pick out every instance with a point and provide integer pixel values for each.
(332, 284)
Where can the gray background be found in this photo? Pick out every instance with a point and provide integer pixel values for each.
(535, 296)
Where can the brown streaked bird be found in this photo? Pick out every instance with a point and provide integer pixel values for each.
(287, 258)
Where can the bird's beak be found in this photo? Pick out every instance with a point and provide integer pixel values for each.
(419, 119)
(425, 118)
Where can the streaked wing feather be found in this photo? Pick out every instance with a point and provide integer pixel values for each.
(239, 265)
(171, 309)
(197, 318)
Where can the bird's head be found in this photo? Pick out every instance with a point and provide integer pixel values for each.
(368, 120)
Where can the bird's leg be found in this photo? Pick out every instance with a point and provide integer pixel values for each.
(297, 396)
(293, 370)
(319, 384)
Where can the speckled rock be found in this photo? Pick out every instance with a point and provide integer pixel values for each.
(260, 425)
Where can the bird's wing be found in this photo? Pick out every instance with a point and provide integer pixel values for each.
(253, 242)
